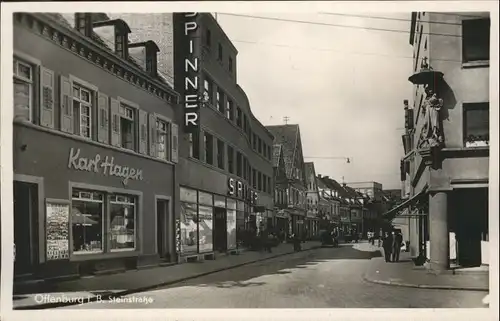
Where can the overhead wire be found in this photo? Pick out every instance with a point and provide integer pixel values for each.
(332, 24)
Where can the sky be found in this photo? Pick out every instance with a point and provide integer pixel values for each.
(344, 86)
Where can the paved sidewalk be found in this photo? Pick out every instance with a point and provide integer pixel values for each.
(405, 273)
(88, 289)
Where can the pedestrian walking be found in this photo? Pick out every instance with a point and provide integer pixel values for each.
(387, 245)
(397, 242)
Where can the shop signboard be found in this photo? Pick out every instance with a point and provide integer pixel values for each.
(240, 190)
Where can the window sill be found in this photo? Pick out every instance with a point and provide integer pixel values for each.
(88, 141)
(100, 256)
(476, 64)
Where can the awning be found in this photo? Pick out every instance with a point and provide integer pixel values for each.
(392, 213)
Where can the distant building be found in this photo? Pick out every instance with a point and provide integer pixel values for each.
(288, 136)
(445, 170)
(282, 217)
(312, 200)
(372, 189)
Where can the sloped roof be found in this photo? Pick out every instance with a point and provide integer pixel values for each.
(102, 17)
(287, 136)
(276, 155)
(309, 168)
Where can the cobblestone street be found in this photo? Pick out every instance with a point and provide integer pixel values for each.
(323, 278)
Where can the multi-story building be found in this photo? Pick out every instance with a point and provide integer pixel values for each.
(281, 217)
(288, 136)
(446, 142)
(95, 148)
(329, 204)
(312, 201)
(225, 157)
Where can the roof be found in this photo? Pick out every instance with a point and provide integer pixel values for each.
(287, 137)
(276, 155)
(101, 17)
(309, 168)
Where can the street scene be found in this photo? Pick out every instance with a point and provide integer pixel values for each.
(212, 160)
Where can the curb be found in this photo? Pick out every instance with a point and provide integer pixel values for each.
(424, 286)
(152, 287)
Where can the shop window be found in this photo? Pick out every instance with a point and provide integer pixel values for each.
(207, 90)
(220, 154)
(23, 91)
(189, 220)
(476, 124)
(209, 148)
(239, 117)
(87, 222)
(220, 100)
(122, 223)
(239, 164)
(163, 139)
(127, 127)
(82, 108)
(476, 40)
(194, 145)
(230, 159)
(231, 223)
(205, 222)
(229, 110)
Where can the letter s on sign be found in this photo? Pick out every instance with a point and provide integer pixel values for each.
(231, 186)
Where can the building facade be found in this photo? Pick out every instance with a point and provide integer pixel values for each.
(312, 209)
(95, 148)
(225, 157)
(447, 140)
(281, 215)
(288, 136)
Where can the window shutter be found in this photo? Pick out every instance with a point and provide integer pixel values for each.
(143, 132)
(47, 97)
(115, 123)
(103, 118)
(152, 135)
(175, 143)
(66, 110)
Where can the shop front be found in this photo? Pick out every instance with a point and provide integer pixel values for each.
(80, 208)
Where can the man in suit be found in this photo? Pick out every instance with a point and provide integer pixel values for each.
(396, 246)
(387, 245)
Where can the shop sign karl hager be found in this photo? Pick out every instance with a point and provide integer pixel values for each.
(105, 165)
(57, 235)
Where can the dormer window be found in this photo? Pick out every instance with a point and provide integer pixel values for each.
(121, 32)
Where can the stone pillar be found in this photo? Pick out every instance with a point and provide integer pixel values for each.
(438, 224)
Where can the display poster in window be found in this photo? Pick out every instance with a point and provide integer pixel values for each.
(57, 231)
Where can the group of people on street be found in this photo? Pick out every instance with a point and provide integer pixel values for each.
(392, 244)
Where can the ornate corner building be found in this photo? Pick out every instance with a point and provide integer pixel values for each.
(445, 169)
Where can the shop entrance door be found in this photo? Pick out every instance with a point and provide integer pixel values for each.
(220, 229)
(25, 228)
(162, 240)
(470, 206)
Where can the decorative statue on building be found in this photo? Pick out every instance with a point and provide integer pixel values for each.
(431, 134)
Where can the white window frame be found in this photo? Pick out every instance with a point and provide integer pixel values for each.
(82, 103)
(168, 136)
(103, 213)
(30, 82)
(134, 204)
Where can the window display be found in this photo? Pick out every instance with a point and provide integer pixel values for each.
(231, 224)
(205, 224)
(189, 227)
(87, 222)
(122, 223)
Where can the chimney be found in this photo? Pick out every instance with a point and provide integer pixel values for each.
(120, 35)
(83, 23)
(147, 54)
(327, 177)
(319, 175)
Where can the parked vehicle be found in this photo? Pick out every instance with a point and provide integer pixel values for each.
(327, 239)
